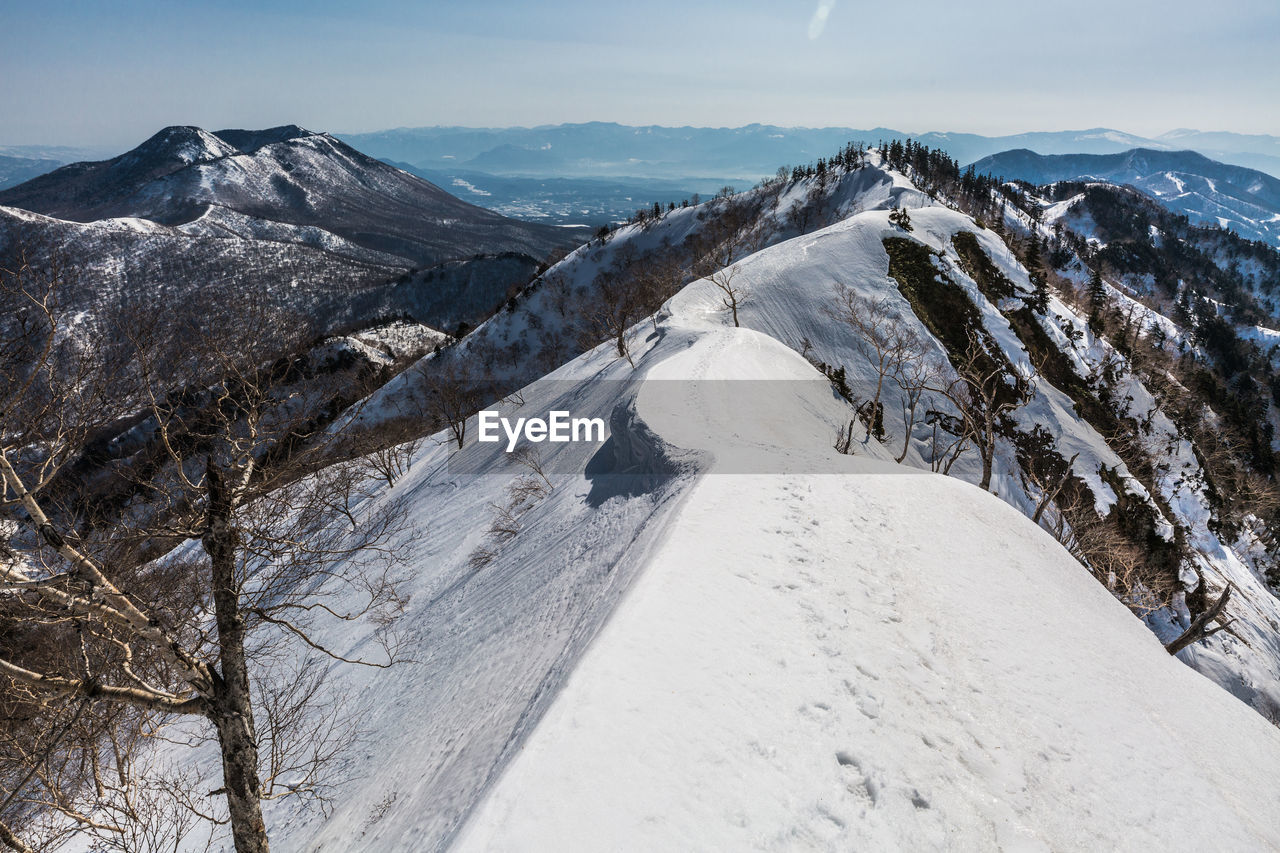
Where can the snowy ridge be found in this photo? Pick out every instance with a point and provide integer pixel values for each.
(793, 278)
(880, 664)
(856, 686)
(890, 661)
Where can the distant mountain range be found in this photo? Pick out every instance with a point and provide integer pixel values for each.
(600, 172)
(738, 153)
(744, 153)
(591, 201)
(1245, 200)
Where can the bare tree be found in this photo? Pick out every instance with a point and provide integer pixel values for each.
(451, 395)
(217, 550)
(949, 439)
(614, 305)
(883, 339)
(523, 493)
(1046, 475)
(984, 396)
(658, 277)
(731, 227)
(1199, 628)
(733, 292)
(844, 438)
(914, 377)
(1049, 487)
(393, 461)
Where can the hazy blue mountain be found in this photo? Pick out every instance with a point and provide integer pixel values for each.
(15, 170)
(60, 153)
(563, 201)
(606, 149)
(1244, 200)
(742, 153)
(1257, 151)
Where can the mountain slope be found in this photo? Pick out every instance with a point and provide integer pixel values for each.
(286, 216)
(876, 655)
(137, 262)
(286, 175)
(1244, 200)
(1151, 475)
(801, 661)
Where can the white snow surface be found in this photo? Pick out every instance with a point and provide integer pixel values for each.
(799, 669)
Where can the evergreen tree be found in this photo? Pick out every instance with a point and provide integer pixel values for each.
(1097, 293)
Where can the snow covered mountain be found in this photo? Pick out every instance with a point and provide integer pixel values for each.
(1244, 200)
(293, 217)
(718, 632)
(798, 661)
(759, 615)
(228, 181)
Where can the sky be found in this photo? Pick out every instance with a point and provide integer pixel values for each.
(110, 74)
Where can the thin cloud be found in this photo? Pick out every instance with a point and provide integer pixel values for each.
(818, 22)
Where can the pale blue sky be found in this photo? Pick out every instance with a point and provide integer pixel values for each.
(111, 73)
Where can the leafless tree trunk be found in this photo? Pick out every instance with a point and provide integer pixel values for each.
(984, 399)
(227, 466)
(613, 308)
(1199, 628)
(1049, 489)
(732, 293)
(886, 341)
(916, 374)
(230, 701)
(452, 396)
(945, 453)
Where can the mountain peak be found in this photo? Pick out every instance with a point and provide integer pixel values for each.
(249, 141)
(181, 144)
